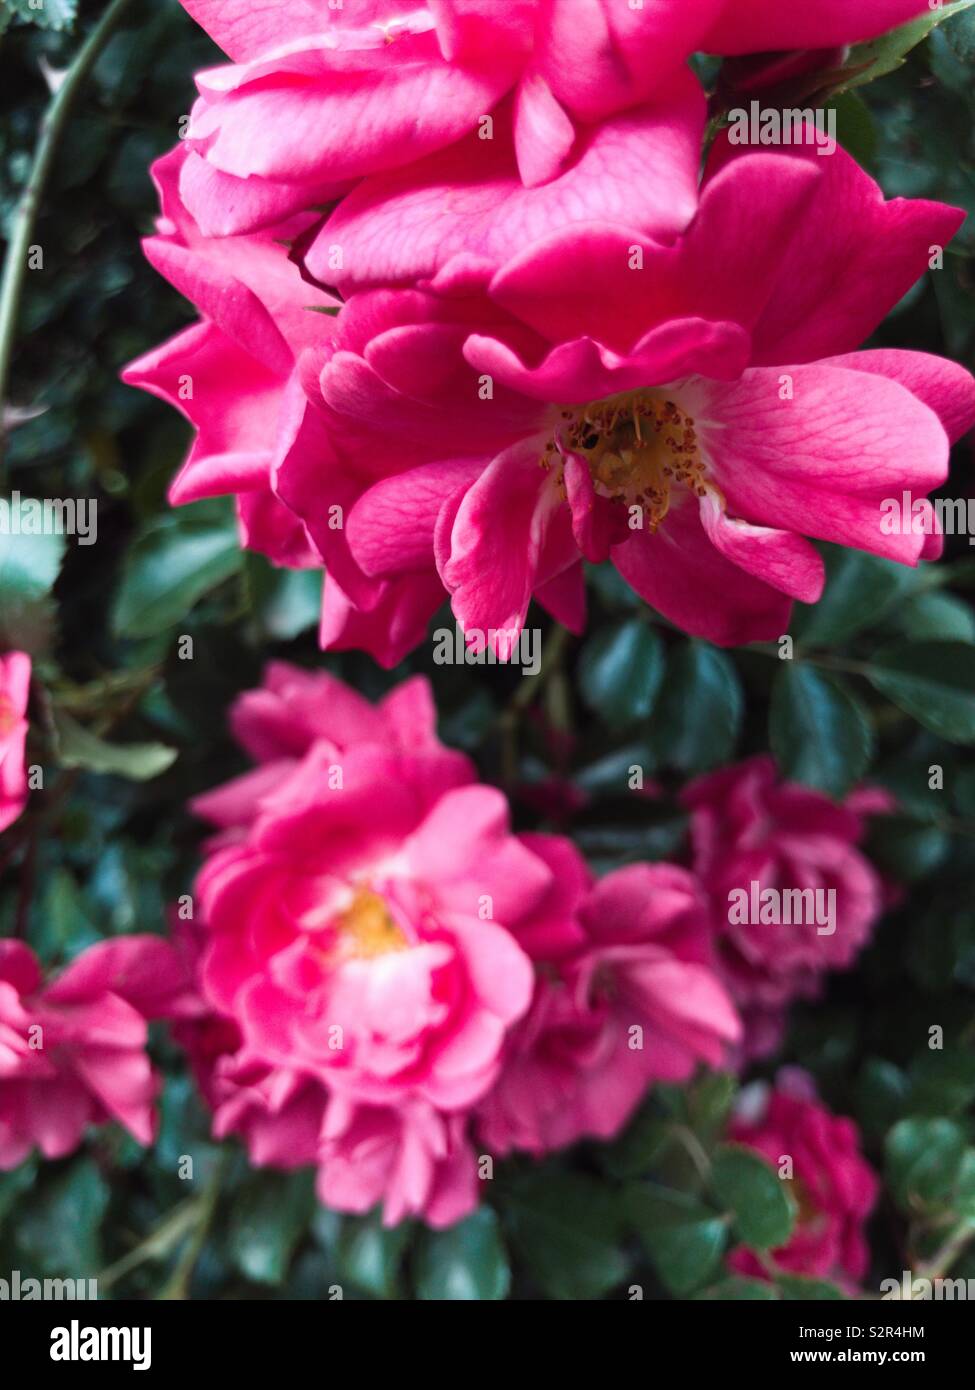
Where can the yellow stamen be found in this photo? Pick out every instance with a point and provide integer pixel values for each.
(367, 927)
(637, 446)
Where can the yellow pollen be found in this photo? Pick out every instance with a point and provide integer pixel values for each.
(637, 446)
(368, 927)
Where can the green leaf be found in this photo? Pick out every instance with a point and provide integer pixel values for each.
(860, 589)
(881, 1091)
(878, 57)
(290, 602)
(634, 1152)
(818, 732)
(169, 568)
(29, 564)
(942, 1082)
(934, 682)
(13, 1184)
(740, 1291)
(855, 129)
(620, 670)
(137, 761)
(699, 715)
(467, 1262)
(960, 33)
(795, 1288)
(928, 616)
(709, 1102)
(370, 1254)
(567, 1229)
(59, 1228)
(924, 1159)
(269, 1218)
(763, 1207)
(684, 1239)
(906, 850)
(48, 14)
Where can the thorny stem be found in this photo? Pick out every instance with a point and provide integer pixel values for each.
(52, 127)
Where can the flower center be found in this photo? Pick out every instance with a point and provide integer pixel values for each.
(368, 928)
(8, 715)
(637, 446)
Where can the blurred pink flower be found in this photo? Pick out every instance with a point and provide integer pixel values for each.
(833, 1185)
(15, 670)
(625, 996)
(752, 833)
(360, 904)
(73, 1050)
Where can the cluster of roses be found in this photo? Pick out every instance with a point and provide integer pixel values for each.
(470, 315)
(380, 979)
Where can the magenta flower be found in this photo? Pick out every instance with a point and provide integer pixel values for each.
(229, 374)
(73, 1050)
(626, 996)
(833, 1185)
(15, 670)
(359, 905)
(693, 410)
(756, 835)
(319, 95)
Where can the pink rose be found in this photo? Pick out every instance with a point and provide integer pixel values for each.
(411, 1158)
(14, 691)
(694, 420)
(360, 903)
(833, 1185)
(625, 996)
(73, 1050)
(233, 374)
(759, 843)
(320, 95)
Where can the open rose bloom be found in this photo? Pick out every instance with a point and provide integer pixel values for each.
(393, 973)
(619, 360)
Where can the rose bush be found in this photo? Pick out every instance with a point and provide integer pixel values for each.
(639, 965)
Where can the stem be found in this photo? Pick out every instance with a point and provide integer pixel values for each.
(178, 1285)
(174, 1227)
(52, 127)
(955, 1246)
(695, 1150)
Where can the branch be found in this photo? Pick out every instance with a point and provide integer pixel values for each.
(52, 128)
